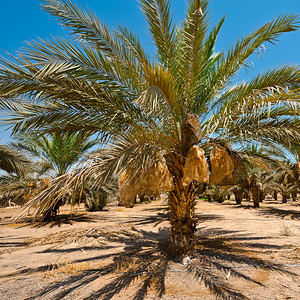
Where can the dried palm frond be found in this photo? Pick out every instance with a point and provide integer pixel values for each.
(13, 161)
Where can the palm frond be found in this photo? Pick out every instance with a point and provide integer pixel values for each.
(157, 14)
(61, 150)
(237, 56)
(13, 161)
(191, 46)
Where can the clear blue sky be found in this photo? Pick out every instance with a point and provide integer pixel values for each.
(24, 20)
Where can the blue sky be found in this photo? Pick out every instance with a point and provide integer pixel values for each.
(24, 20)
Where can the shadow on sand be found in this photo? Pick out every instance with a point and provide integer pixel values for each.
(281, 213)
(143, 262)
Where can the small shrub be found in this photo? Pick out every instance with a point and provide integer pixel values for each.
(205, 199)
(285, 230)
(96, 201)
(217, 194)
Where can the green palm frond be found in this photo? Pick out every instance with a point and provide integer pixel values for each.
(134, 45)
(13, 161)
(191, 46)
(206, 67)
(102, 81)
(157, 14)
(60, 150)
(85, 25)
(277, 84)
(261, 157)
(237, 56)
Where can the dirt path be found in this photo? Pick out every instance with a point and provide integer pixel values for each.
(122, 254)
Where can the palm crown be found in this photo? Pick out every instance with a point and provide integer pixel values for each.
(106, 83)
(58, 151)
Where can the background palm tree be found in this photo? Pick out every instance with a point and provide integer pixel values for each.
(150, 109)
(14, 185)
(56, 154)
(57, 151)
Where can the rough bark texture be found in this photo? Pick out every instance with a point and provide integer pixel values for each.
(182, 198)
(238, 194)
(255, 196)
(254, 191)
(262, 195)
(182, 212)
(284, 198)
(183, 220)
(246, 194)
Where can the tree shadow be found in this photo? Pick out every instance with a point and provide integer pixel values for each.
(144, 262)
(154, 220)
(65, 219)
(208, 217)
(281, 213)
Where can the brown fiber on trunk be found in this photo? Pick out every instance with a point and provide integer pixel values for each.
(182, 210)
(182, 199)
(182, 218)
(238, 194)
(284, 198)
(254, 191)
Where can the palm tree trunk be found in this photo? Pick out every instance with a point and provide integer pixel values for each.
(254, 191)
(182, 199)
(255, 196)
(246, 195)
(238, 195)
(182, 211)
(262, 195)
(284, 198)
(182, 218)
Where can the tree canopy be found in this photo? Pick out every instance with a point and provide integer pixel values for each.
(143, 106)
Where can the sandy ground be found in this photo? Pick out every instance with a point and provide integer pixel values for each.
(119, 253)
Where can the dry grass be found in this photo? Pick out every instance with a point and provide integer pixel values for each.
(262, 276)
(66, 268)
(285, 230)
(119, 209)
(128, 264)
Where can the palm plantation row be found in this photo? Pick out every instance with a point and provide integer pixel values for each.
(157, 113)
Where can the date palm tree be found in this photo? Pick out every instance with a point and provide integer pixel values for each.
(150, 108)
(57, 152)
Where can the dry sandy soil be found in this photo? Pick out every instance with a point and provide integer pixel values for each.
(119, 253)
